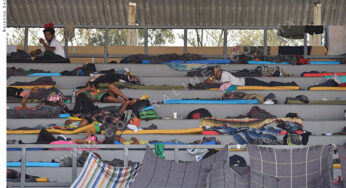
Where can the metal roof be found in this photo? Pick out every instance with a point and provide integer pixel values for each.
(174, 12)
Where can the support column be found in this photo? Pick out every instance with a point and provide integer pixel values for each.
(185, 41)
(316, 40)
(26, 39)
(225, 43)
(132, 33)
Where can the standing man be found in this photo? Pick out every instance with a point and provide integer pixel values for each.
(52, 49)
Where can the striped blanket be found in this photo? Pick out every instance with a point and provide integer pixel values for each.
(245, 122)
(95, 173)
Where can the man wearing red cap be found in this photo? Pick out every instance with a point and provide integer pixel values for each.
(52, 47)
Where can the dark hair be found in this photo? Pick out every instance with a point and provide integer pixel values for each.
(51, 30)
(217, 67)
(90, 83)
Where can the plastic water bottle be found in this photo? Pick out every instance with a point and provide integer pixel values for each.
(74, 97)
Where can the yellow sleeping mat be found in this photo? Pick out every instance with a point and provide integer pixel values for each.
(264, 88)
(30, 87)
(91, 127)
(328, 88)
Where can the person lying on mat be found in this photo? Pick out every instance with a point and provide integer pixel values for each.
(226, 78)
(25, 95)
(53, 47)
(110, 95)
(89, 138)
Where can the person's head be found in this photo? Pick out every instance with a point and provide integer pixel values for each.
(49, 33)
(217, 72)
(91, 84)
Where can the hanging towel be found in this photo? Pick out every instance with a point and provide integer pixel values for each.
(159, 149)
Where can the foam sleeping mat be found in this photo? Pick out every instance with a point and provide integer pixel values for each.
(332, 102)
(328, 88)
(264, 88)
(210, 101)
(44, 74)
(324, 62)
(324, 74)
(211, 61)
(30, 87)
(268, 62)
(33, 164)
(28, 149)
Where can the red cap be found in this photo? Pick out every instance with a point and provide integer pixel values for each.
(48, 25)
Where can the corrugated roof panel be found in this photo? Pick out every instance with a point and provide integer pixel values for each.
(175, 12)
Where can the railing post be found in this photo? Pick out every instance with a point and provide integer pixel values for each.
(23, 167)
(26, 39)
(74, 162)
(176, 149)
(145, 41)
(225, 30)
(105, 58)
(265, 38)
(126, 155)
(185, 41)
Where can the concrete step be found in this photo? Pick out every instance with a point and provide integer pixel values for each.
(316, 127)
(164, 70)
(307, 112)
(224, 139)
(159, 95)
(65, 82)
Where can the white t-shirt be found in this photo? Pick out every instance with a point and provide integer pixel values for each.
(58, 48)
(228, 77)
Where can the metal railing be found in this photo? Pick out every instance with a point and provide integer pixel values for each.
(74, 155)
(146, 28)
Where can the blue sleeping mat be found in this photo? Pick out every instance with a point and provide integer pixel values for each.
(324, 62)
(171, 143)
(267, 62)
(211, 61)
(210, 101)
(44, 74)
(33, 164)
(28, 149)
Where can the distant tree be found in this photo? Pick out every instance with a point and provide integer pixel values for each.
(118, 37)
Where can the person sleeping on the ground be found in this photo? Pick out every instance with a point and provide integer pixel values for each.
(110, 95)
(226, 78)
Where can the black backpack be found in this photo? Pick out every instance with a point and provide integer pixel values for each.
(199, 113)
(14, 92)
(140, 105)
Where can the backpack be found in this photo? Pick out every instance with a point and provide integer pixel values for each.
(14, 92)
(199, 113)
(140, 105)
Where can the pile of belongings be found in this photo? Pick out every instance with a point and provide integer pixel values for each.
(144, 110)
(20, 56)
(46, 109)
(50, 94)
(269, 99)
(259, 71)
(332, 81)
(47, 80)
(243, 59)
(158, 59)
(253, 128)
(85, 70)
